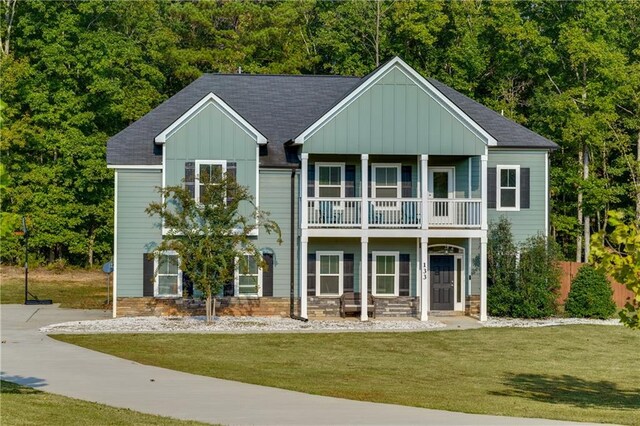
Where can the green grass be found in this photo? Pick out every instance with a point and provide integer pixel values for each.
(80, 289)
(27, 406)
(583, 373)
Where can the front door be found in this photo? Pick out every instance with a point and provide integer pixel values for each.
(442, 276)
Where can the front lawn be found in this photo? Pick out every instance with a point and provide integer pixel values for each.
(27, 406)
(82, 289)
(582, 373)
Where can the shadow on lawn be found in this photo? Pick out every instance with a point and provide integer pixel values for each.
(571, 390)
(20, 384)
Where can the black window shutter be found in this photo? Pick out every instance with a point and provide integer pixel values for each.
(491, 188)
(187, 286)
(267, 275)
(524, 188)
(369, 272)
(148, 275)
(406, 181)
(350, 180)
(347, 262)
(311, 274)
(405, 274)
(369, 182)
(190, 177)
(232, 173)
(228, 288)
(311, 180)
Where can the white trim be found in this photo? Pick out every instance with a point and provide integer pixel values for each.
(211, 98)
(340, 255)
(457, 274)
(236, 281)
(374, 183)
(424, 279)
(451, 180)
(196, 173)
(304, 253)
(420, 81)
(156, 275)
(546, 193)
(164, 229)
(317, 177)
(396, 277)
(115, 246)
(484, 194)
(499, 169)
(483, 279)
(134, 167)
(394, 232)
(364, 272)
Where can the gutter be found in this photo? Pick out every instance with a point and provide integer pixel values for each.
(292, 252)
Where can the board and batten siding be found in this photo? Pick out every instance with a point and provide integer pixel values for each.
(275, 185)
(212, 135)
(394, 116)
(526, 222)
(137, 232)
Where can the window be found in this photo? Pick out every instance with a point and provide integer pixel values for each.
(330, 180)
(508, 181)
(386, 181)
(248, 278)
(207, 171)
(385, 273)
(168, 282)
(329, 280)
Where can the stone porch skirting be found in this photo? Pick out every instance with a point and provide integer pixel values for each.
(233, 306)
(329, 307)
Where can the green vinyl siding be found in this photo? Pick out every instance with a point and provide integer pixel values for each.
(395, 116)
(531, 221)
(352, 245)
(275, 185)
(212, 135)
(136, 231)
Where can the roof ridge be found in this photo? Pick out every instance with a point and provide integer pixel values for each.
(279, 75)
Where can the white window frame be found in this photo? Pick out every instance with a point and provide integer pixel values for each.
(374, 183)
(222, 163)
(156, 278)
(451, 181)
(236, 280)
(340, 255)
(342, 177)
(374, 276)
(499, 188)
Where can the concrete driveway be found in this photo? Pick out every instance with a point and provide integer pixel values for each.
(28, 357)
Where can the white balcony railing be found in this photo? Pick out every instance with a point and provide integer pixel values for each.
(393, 213)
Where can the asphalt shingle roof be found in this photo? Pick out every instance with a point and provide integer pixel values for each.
(281, 107)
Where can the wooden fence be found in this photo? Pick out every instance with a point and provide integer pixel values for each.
(570, 270)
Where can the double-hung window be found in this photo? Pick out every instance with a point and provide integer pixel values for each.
(386, 180)
(168, 279)
(330, 180)
(248, 277)
(508, 187)
(386, 274)
(329, 279)
(207, 171)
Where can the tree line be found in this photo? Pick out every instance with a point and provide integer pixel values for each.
(75, 73)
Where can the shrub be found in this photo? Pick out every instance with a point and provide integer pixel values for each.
(501, 268)
(590, 295)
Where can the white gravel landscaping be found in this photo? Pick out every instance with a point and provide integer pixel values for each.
(496, 322)
(233, 325)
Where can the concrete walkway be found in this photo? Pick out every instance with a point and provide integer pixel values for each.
(33, 359)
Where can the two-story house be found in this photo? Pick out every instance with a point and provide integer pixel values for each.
(383, 185)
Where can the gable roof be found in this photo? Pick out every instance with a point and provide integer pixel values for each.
(281, 107)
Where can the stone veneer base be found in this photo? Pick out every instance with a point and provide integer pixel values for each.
(232, 306)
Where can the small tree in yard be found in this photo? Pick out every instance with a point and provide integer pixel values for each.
(501, 268)
(618, 254)
(590, 295)
(210, 235)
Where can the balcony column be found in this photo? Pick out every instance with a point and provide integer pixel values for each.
(424, 190)
(304, 177)
(424, 278)
(364, 189)
(483, 278)
(304, 242)
(364, 274)
(483, 169)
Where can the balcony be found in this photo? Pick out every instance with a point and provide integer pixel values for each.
(393, 213)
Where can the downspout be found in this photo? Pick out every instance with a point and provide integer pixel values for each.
(292, 253)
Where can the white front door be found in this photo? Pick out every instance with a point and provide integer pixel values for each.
(441, 190)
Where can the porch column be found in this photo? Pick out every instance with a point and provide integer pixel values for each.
(304, 177)
(364, 274)
(424, 278)
(304, 241)
(483, 170)
(483, 278)
(364, 188)
(424, 190)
